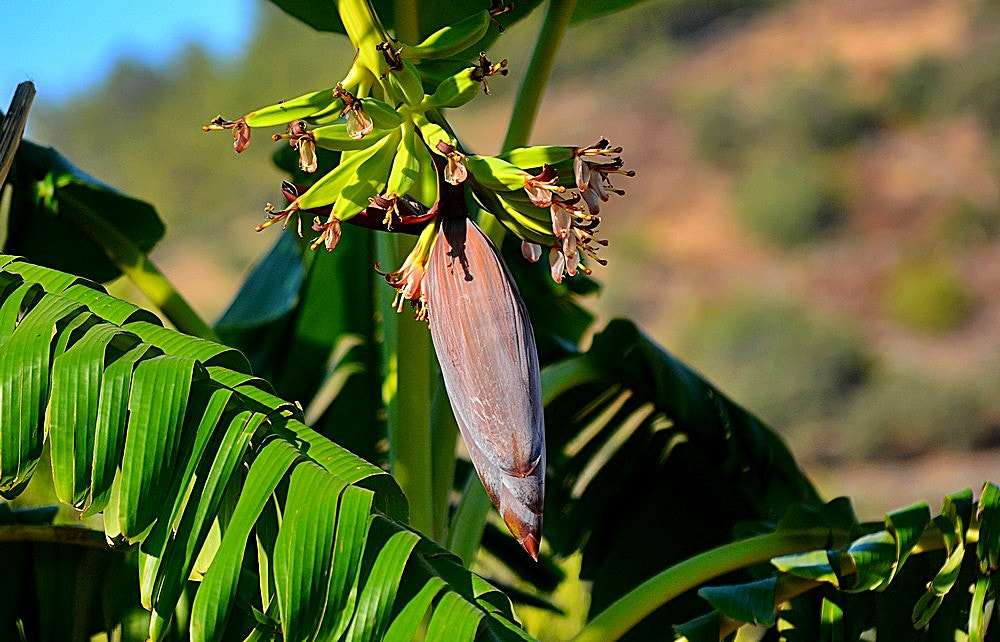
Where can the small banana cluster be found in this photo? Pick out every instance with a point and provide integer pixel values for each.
(402, 170)
(396, 148)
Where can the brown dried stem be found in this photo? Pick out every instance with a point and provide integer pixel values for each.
(13, 125)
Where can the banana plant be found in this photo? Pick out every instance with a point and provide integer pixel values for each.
(401, 169)
(260, 511)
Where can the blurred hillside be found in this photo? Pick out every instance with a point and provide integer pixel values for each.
(815, 223)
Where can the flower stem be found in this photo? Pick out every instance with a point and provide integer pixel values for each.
(638, 603)
(140, 270)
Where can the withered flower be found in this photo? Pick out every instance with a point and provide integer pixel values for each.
(591, 169)
(484, 69)
(329, 230)
(241, 131)
(486, 349)
(541, 187)
(300, 138)
(563, 210)
(359, 124)
(455, 172)
(409, 278)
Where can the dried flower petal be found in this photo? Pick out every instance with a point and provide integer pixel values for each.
(562, 220)
(531, 251)
(308, 162)
(596, 184)
(581, 171)
(241, 136)
(330, 233)
(359, 124)
(540, 188)
(592, 200)
(455, 172)
(557, 263)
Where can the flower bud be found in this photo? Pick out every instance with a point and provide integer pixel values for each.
(486, 348)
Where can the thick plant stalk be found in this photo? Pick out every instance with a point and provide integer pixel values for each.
(532, 89)
(486, 348)
(536, 76)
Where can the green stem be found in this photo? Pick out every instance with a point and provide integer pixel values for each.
(469, 522)
(638, 603)
(406, 392)
(134, 263)
(532, 89)
(406, 22)
(444, 436)
(364, 30)
(536, 76)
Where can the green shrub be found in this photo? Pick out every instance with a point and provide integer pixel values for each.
(902, 415)
(969, 223)
(723, 130)
(912, 90)
(927, 295)
(781, 361)
(787, 200)
(822, 109)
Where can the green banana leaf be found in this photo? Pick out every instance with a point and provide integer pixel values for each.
(435, 14)
(910, 576)
(632, 432)
(54, 570)
(60, 216)
(202, 464)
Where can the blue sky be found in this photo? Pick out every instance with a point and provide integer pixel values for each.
(64, 46)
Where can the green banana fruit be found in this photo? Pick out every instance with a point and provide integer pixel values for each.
(426, 188)
(405, 170)
(433, 134)
(328, 188)
(405, 83)
(383, 115)
(538, 219)
(454, 91)
(368, 180)
(525, 226)
(335, 137)
(496, 173)
(521, 224)
(451, 39)
(535, 157)
(289, 110)
(522, 203)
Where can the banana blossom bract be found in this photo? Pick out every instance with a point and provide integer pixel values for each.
(486, 349)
